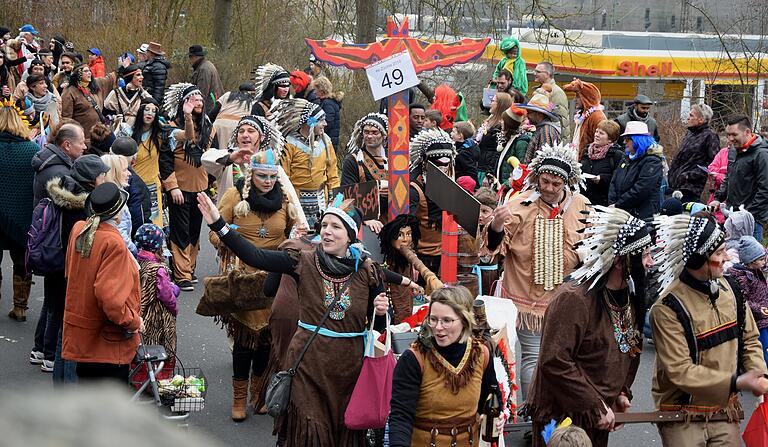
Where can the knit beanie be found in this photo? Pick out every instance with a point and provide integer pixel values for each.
(750, 250)
(672, 207)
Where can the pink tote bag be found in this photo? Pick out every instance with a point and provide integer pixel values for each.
(369, 405)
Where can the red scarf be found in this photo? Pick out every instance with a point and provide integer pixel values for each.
(597, 152)
(748, 143)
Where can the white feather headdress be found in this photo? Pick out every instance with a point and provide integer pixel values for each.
(175, 95)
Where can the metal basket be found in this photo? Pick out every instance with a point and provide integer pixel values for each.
(185, 397)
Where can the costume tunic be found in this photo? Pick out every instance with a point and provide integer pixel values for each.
(327, 375)
(580, 364)
(516, 244)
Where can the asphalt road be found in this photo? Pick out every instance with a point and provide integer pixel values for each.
(203, 344)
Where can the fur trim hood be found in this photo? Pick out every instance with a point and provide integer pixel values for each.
(66, 193)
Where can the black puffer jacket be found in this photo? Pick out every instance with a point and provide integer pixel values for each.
(747, 180)
(155, 75)
(636, 184)
(698, 148)
(597, 193)
(332, 108)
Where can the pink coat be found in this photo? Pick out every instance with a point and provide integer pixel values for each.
(719, 167)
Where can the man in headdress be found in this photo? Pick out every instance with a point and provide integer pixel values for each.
(183, 176)
(435, 146)
(535, 232)
(592, 331)
(707, 347)
(308, 158)
(367, 156)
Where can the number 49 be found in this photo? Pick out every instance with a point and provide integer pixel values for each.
(397, 77)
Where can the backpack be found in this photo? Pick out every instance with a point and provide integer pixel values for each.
(45, 251)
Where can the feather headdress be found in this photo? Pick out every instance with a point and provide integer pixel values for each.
(680, 237)
(376, 120)
(560, 160)
(265, 77)
(289, 114)
(12, 105)
(612, 232)
(271, 136)
(175, 95)
(430, 144)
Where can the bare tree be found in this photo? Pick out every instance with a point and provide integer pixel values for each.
(222, 21)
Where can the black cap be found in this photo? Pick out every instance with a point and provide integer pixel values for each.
(106, 200)
(4, 31)
(196, 50)
(124, 146)
(642, 99)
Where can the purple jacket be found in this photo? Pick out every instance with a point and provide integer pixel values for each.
(755, 290)
(167, 291)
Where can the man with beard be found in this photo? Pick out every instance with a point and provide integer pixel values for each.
(183, 176)
(367, 159)
(535, 232)
(639, 110)
(592, 332)
(706, 339)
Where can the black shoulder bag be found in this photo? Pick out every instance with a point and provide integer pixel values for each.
(278, 394)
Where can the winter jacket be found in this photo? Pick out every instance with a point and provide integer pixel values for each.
(467, 156)
(16, 196)
(635, 186)
(698, 148)
(103, 301)
(139, 203)
(75, 105)
(630, 115)
(754, 288)
(98, 68)
(155, 76)
(206, 77)
(309, 94)
(50, 162)
(69, 197)
(597, 193)
(747, 180)
(332, 108)
(489, 157)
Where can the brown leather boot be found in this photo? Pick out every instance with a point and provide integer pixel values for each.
(240, 398)
(257, 382)
(21, 287)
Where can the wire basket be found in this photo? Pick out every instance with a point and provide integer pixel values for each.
(186, 391)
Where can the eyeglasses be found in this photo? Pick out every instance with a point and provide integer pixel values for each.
(446, 322)
(266, 178)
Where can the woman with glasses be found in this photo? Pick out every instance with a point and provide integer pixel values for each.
(442, 382)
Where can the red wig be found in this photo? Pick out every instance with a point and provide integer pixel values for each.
(446, 102)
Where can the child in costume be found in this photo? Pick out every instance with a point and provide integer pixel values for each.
(158, 293)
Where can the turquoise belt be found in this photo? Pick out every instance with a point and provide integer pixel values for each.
(330, 333)
(477, 270)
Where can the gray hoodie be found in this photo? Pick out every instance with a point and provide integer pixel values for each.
(50, 162)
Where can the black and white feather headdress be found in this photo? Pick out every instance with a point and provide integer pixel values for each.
(376, 120)
(612, 232)
(680, 237)
(264, 75)
(432, 145)
(561, 160)
(175, 95)
(272, 138)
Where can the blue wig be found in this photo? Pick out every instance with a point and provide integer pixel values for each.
(641, 144)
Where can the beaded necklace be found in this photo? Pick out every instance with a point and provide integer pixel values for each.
(333, 287)
(548, 249)
(623, 322)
